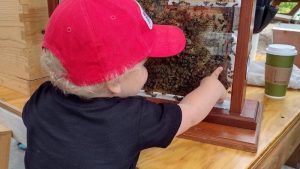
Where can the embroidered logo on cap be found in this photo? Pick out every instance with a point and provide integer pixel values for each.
(145, 16)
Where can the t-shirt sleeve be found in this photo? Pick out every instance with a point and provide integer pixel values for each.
(159, 124)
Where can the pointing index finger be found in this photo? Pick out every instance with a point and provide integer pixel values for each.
(217, 72)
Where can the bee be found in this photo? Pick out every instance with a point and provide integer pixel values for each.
(215, 27)
(221, 21)
(221, 4)
(224, 27)
(225, 16)
(214, 17)
(206, 3)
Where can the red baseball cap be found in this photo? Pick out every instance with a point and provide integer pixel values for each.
(96, 39)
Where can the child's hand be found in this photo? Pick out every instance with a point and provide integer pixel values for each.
(216, 72)
(215, 75)
(196, 105)
(210, 80)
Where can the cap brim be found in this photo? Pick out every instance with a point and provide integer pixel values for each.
(167, 41)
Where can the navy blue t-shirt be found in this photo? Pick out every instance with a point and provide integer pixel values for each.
(68, 132)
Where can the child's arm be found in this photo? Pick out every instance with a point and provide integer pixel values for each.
(196, 105)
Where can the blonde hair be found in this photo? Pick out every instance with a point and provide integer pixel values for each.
(57, 74)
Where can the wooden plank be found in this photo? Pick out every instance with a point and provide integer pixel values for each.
(13, 62)
(34, 15)
(12, 37)
(5, 137)
(27, 61)
(33, 54)
(23, 86)
(33, 31)
(33, 3)
(11, 108)
(13, 97)
(15, 12)
(9, 13)
(282, 149)
(21, 25)
(36, 71)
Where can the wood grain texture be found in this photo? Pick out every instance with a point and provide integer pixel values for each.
(23, 86)
(21, 62)
(279, 153)
(14, 98)
(247, 119)
(227, 136)
(242, 52)
(21, 25)
(11, 108)
(5, 137)
(279, 118)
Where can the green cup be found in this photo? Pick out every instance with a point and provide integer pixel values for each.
(279, 65)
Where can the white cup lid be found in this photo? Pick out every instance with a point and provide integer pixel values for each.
(282, 50)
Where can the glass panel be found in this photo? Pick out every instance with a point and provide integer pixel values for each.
(209, 27)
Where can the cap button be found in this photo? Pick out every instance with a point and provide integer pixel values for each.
(113, 17)
(69, 29)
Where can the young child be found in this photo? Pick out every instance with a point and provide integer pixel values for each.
(88, 116)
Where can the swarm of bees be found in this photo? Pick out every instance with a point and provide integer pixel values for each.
(203, 54)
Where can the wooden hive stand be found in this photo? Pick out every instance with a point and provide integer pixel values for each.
(239, 126)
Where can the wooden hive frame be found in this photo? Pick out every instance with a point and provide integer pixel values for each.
(239, 126)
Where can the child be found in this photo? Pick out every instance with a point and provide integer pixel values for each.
(88, 116)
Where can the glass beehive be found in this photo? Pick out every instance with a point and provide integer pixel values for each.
(209, 28)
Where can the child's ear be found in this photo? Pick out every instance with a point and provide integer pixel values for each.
(114, 87)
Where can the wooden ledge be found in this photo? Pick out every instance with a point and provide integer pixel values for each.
(11, 108)
(4, 130)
